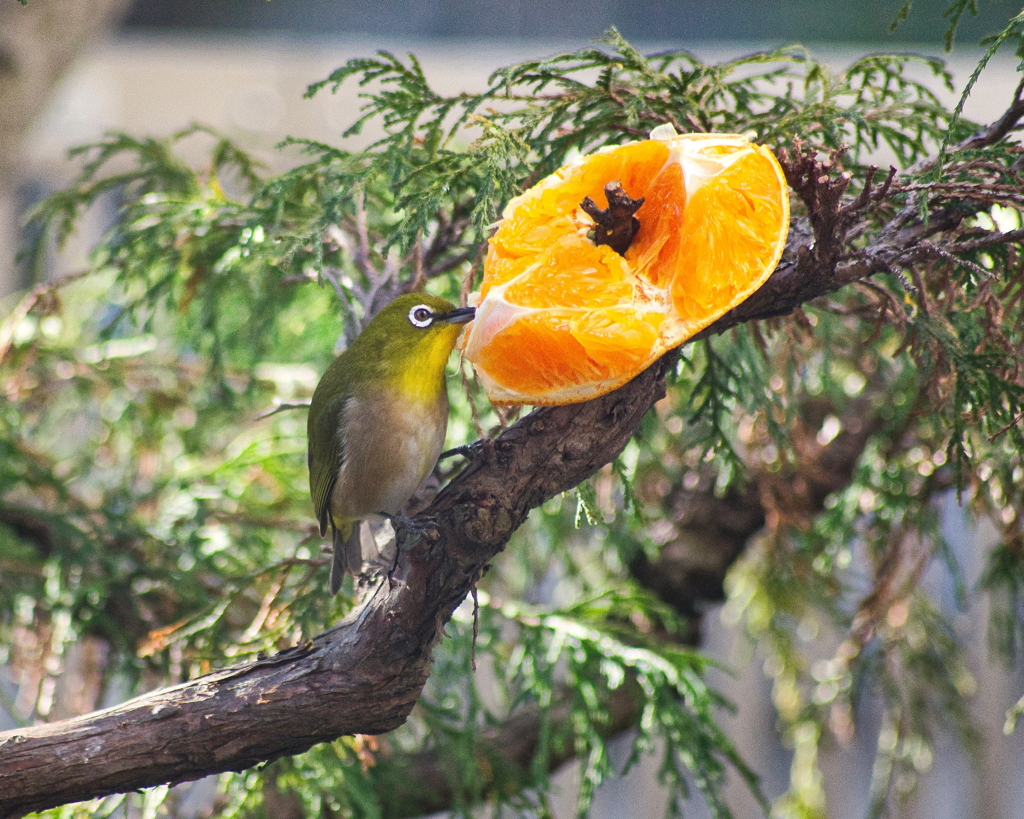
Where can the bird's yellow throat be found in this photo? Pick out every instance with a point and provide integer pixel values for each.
(421, 375)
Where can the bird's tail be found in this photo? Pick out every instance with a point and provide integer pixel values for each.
(348, 553)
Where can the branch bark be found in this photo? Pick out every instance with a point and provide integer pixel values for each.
(365, 674)
(362, 676)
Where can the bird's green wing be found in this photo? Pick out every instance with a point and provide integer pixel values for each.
(325, 454)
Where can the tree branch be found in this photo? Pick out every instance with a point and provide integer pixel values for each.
(362, 676)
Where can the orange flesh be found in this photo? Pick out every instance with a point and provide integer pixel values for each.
(657, 243)
(562, 320)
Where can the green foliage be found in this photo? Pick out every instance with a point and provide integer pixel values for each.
(1004, 580)
(600, 650)
(147, 501)
(612, 94)
(560, 671)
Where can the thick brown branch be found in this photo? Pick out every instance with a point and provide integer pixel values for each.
(362, 676)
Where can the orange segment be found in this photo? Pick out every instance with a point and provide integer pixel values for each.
(575, 273)
(719, 257)
(568, 350)
(657, 242)
(560, 319)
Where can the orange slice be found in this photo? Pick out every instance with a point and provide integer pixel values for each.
(561, 319)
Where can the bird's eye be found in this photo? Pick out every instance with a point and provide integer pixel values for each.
(421, 316)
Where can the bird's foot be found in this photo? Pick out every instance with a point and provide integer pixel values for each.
(427, 530)
(384, 563)
(466, 450)
(413, 530)
(483, 446)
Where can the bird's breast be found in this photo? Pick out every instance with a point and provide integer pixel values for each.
(391, 444)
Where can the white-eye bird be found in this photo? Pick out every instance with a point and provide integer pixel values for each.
(378, 419)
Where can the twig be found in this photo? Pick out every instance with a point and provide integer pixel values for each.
(991, 240)
(1002, 126)
(282, 407)
(28, 304)
(1007, 428)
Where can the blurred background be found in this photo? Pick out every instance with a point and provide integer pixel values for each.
(71, 70)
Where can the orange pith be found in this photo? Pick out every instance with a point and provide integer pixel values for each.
(560, 319)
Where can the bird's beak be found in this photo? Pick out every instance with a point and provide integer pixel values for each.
(458, 316)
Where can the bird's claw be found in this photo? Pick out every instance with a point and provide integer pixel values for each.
(409, 524)
(427, 531)
(466, 450)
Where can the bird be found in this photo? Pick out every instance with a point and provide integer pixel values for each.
(378, 418)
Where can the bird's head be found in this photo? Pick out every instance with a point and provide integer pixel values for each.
(414, 333)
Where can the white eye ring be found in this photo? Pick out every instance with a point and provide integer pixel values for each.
(421, 316)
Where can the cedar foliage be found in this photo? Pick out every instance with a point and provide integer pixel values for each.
(149, 505)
